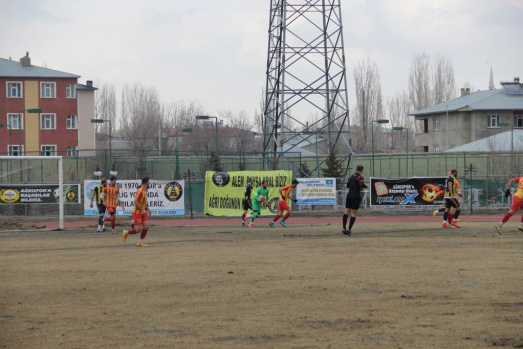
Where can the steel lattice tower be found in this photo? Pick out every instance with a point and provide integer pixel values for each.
(305, 78)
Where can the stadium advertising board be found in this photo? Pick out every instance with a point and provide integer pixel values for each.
(38, 194)
(316, 191)
(165, 198)
(414, 191)
(224, 190)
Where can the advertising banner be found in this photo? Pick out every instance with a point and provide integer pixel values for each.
(38, 194)
(316, 191)
(415, 191)
(164, 198)
(224, 190)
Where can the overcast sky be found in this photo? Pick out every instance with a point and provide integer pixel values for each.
(215, 51)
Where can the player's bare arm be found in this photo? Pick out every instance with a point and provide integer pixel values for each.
(92, 197)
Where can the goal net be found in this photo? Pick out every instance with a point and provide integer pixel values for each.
(32, 190)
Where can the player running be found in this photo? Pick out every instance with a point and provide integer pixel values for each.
(355, 184)
(454, 212)
(261, 196)
(451, 200)
(517, 203)
(246, 202)
(285, 195)
(141, 213)
(111, 199)
(98, 193)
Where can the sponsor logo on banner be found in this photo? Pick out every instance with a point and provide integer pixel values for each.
(38, 193)
(164, 198)
(224, 191)
(415, 191)
(316, 191)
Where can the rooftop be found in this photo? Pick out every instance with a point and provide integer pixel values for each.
(502, 142)
(481, 100)
(14, 69)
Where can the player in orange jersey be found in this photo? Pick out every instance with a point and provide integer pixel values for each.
(285, 195)
(517, 202)
(111, 200)
(141, 213)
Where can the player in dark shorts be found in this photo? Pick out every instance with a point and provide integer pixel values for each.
(353, 199)
(97, 192)
(247, 203)
(451, 200)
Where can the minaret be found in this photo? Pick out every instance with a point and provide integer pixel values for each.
(491, 82)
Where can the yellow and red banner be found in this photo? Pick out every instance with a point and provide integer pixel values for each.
(224, 190)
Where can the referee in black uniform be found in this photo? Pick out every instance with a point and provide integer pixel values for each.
(353, 199)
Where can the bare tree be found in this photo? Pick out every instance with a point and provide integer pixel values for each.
(241, 130)
(399, 108)
(105, 106)
(182, 114)
(140, 116)
(420, 91)
(444, 86)
(259, 116)
(368, 98)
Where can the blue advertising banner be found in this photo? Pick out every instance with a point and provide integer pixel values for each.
(316, 191)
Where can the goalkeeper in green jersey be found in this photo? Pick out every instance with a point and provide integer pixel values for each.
(260, 200)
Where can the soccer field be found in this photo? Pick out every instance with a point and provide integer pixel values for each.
(393, 285)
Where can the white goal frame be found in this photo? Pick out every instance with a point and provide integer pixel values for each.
(60, 178)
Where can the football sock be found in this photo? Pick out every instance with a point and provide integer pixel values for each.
(254, 216)
(345, 217)
(113, 223)
(276, 218)
(506, 217)
(457, 214)
(101, 221)
(132, 231)
(143, 234)
(244, 216)
(286, 216)
(450, 216)
(352, 220)
(445, 216)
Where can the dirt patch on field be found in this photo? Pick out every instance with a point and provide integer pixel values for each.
(305, 286)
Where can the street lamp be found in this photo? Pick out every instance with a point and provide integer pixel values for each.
(29, 111)
(10, 144)
(381, 121)
(177, 153)
(503, 124)
(471, 170)
(206, 117)
(399, 128)
(101, 121)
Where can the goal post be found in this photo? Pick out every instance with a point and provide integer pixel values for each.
(34, 186)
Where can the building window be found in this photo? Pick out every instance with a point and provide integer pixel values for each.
(436, 148)
(493, 120)
(15, 121)
(14, 89)
(48, 150)
(72, 151)
(47, 121)
(15, 150)
(70, 91)
(518, 121)
(436, 124)
(47, 90)
(72, 122)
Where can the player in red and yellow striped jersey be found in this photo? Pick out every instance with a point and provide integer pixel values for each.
(283, 203)
(517, 202)
(111, 200)
(141, 213)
